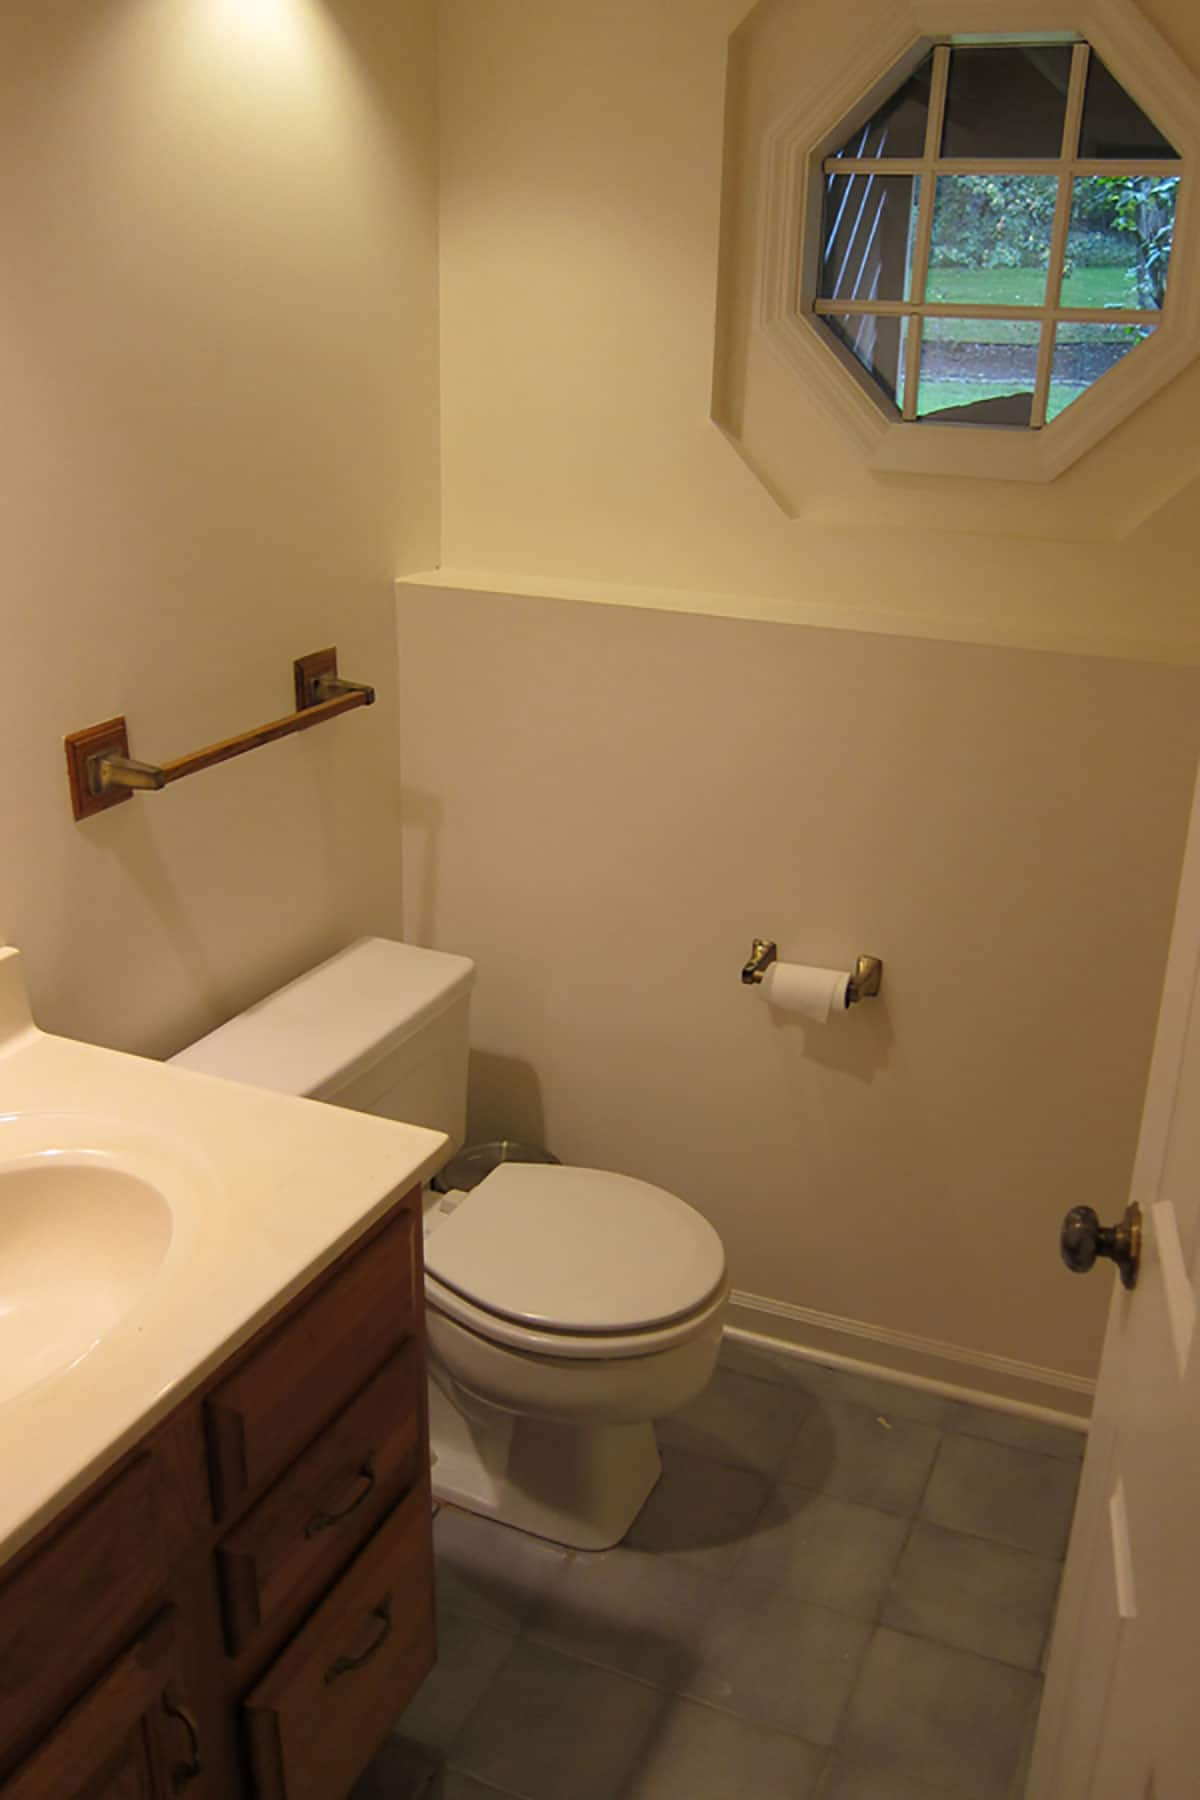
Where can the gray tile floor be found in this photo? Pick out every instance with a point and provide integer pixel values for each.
(840, 1589)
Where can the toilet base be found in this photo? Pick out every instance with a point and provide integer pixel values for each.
(581, 1486)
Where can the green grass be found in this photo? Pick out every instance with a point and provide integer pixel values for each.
(1060, 397)
(938, 394)
(1101, 288)
(1017, 287)
(1025, 287)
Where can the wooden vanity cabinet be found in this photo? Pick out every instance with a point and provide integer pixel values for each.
(240, 1608)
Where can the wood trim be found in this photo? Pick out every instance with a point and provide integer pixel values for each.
(910, 1359)
(110, 735)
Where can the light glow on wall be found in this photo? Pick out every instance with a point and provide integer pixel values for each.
(268, 27)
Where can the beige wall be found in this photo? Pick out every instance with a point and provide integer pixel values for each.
(582, 185)
(605, 805)
(218, 359)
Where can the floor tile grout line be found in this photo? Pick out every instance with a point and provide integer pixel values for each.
(923, 1637)
(874, 1623)
(665, 1694)
(877, 1623)
(483, 1694)
(726, 1577)
(523, 1627)
(982, 1437)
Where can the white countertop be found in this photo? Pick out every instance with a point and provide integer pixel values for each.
(270, 1190)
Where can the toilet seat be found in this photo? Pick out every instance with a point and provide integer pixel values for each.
(571, 1346)
(543, 1255)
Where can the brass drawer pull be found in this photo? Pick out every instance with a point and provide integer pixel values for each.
(344, 1665)
(183, 1773)
(321, 1521)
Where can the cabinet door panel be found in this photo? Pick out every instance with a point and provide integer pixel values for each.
(69, 1608)
(118, 1742)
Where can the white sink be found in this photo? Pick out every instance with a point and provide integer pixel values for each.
(86, 1224)
(151, 1221)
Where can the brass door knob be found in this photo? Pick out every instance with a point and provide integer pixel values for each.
(1084, 1238)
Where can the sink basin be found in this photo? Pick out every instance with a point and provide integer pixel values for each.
(86, 1224)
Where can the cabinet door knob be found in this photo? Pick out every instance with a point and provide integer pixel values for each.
(1084, 1238)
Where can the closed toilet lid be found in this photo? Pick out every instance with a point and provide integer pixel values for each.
(564, 1249)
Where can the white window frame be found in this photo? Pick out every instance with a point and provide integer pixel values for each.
(796, 151)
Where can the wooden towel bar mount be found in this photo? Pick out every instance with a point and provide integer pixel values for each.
(102, 773)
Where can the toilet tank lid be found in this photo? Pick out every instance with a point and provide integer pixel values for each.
(335, 1021)
(568, 1249)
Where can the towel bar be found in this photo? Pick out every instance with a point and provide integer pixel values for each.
(102, 773)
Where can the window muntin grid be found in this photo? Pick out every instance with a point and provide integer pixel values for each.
(857, 173)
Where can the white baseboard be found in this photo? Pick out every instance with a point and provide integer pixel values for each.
(976, 1376)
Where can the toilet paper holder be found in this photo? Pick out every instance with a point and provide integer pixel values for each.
(864, 982)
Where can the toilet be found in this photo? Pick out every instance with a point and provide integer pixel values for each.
(566, 1309)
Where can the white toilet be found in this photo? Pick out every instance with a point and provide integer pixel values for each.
(567, 1309)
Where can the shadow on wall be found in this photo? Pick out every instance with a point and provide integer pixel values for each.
(164, 894)
(421, 829)
(505, 1100)
(859, 1045)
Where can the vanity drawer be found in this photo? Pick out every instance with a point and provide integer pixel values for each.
(259, 1420)
(72, 1605)
(326, 1504)
(316, 1717)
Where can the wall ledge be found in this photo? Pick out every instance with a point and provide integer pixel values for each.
(822, 615)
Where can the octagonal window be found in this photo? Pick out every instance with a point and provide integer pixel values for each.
(996, 237)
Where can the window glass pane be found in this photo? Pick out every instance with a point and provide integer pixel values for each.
(978, 371)
(1085, 352)
(991, 239)
(1119, 244)
(877, 342)
(1006, 100)
(897, 128)
(868, 230)
(1114, 124)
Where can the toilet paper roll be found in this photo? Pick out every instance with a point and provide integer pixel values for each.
(798, 988)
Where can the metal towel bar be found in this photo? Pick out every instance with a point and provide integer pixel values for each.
(102, 773)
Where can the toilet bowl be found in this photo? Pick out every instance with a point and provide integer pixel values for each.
(566, 1308)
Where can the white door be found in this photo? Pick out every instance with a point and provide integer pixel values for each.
(1121, 1716)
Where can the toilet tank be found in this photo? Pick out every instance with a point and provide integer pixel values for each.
(381, 1027)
